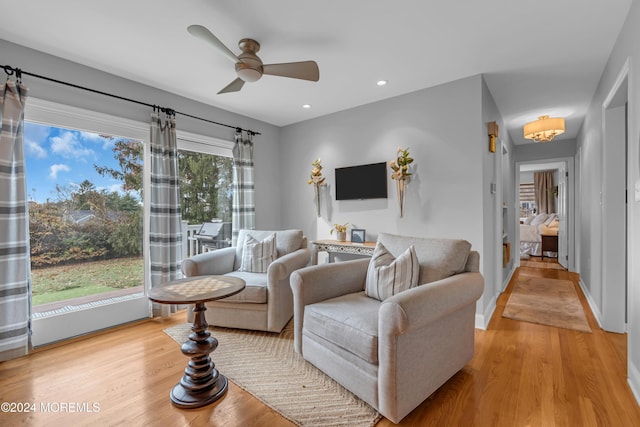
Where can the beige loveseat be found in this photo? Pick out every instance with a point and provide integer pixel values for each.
(395, 353)
(266, 303)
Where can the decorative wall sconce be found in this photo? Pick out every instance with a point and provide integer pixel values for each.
(493, 134)
(317, 180)
(544, 129)
(401, 174)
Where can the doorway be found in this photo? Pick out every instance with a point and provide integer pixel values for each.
(614, 234)
(529, 242)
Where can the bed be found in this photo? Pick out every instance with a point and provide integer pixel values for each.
(531, 234)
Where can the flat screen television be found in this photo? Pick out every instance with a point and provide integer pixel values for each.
(362, 182)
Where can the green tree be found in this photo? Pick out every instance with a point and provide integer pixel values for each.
(128, 153)
(205, 180)
(205, 185)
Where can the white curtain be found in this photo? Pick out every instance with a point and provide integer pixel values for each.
(165, 233)
(244, 208)
(15, 286)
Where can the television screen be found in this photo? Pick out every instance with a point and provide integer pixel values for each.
(362, 182)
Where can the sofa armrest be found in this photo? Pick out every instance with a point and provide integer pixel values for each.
(215, 262)
(321, 282)
(425, 335)
(426, 303)
(282, 267)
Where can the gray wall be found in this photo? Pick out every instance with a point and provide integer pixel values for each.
(539, 151)
(443, 128)
(592, 145)
(266, 145)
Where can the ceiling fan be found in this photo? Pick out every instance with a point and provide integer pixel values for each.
(249, 66)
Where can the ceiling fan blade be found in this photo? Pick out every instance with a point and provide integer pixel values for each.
(234, 86)
(204, 34)
(306, 70)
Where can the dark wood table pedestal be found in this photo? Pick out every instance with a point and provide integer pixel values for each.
(201, 383)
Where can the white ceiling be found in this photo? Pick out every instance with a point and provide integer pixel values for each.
(538, 57)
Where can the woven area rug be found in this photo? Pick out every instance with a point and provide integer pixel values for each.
(265, 365)
(544, 301)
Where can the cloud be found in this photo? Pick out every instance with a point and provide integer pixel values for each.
(54, 169)
(34, 149)
(34, 137)
(107, 143)
(69, 146)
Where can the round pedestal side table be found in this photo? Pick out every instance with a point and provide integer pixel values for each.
(201, 383)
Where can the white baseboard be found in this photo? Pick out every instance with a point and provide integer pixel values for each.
(634, 381)
(592, 304)
(483, 318)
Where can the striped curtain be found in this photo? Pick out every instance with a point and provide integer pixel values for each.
(15, 287)
(244, 208)
(165, 233)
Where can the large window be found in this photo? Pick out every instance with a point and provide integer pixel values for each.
(88, 220)
(85, 216)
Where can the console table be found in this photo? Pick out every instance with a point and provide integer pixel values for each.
(201, 383)
(340, 247)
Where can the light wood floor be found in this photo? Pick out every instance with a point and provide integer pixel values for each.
(522, 375)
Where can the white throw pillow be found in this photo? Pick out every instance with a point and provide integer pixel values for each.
(539, 219)
(387, 275)
(256, 256)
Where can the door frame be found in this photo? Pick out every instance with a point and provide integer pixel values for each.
(570, 196)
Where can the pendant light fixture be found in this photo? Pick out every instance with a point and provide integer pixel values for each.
(544, 129)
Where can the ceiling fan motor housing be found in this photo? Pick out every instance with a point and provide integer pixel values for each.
(249, 68)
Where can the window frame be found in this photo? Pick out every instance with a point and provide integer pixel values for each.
(66, 325)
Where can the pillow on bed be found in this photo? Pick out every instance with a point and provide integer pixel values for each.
(552, 217)
(528, 220)
(539, 219)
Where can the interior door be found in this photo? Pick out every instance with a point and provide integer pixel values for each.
(563, 252)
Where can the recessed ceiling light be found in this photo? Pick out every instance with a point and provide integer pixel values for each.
(382, 82)
(306, 106)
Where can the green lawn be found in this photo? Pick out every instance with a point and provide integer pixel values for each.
(77, 280)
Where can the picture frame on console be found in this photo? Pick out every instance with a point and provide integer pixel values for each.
(358, 235)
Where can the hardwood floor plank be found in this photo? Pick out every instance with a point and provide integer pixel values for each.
(522, 374)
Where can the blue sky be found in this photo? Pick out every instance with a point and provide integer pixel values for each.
(64, 157)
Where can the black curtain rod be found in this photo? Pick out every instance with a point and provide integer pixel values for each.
(18, 73)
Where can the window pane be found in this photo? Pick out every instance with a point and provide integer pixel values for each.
(85, 215)
(206, 189)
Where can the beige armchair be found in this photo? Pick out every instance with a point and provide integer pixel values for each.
(395, 353)
(266, 304)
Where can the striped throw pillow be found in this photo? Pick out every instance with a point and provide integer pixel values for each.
(388, 275)
(256, 256)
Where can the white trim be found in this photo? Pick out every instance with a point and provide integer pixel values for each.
(204, 144)
(609, 269)
(483, 319)
(51, 113)
(633, 379)
(592, 304)
(571, 208)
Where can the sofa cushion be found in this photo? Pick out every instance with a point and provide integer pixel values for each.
(257, 255)
(349, 321)
(287, 241)
(438, 258)
(388, 275)
(255, 291)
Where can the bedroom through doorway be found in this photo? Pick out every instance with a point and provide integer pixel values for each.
(543, 216)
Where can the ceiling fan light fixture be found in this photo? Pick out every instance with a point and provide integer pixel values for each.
(247, 73)
(544, 129)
